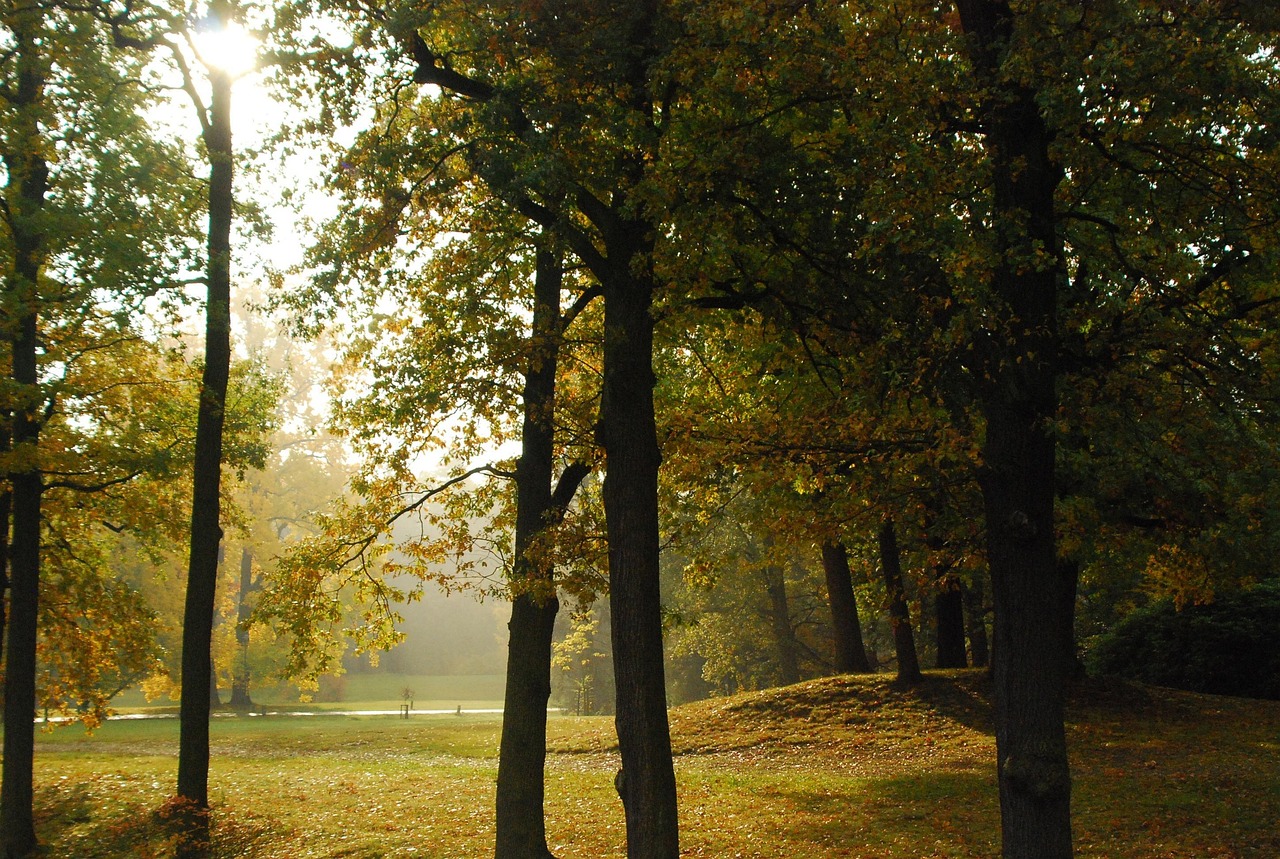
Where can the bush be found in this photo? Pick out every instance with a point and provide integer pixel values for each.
(1228, 647)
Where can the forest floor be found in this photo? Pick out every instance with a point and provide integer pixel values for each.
(838, 767)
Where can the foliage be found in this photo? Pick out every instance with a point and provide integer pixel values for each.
(1224, 647)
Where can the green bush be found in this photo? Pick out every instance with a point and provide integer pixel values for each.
(1228, 647)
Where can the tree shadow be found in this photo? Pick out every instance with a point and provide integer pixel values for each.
(927, 815)
(74, 820)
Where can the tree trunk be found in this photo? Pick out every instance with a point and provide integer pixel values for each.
(949, 623)
(206, 530)
(240, 698)
(976, 612)
(851, 653)
(6, 508)
(628, 434)
(904, 640)
(784, 635)
(521, 822)
(28, 173)
(1019, 401)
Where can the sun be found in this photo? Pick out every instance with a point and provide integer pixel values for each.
(231, 49)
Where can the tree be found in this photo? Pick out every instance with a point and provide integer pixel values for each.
(86, 239)
(206, 527)
(1051, 286)
(615, 243)
(899, 613)
(851, 653)
(521, 828)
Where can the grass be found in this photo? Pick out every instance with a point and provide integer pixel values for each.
(374, 691)
(840, 767)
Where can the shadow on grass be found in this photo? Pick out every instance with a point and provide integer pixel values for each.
(83, 821)
(934, 814)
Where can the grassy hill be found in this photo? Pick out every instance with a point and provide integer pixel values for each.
(839, 767)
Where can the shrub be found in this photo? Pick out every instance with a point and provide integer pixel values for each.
(1228, 647)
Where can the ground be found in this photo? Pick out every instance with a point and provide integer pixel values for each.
(839, 767)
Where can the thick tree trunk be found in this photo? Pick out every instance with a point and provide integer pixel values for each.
(17, 824)
(1018, 403)
(851, 653)
(206, 529)
(28, 173)
(904, 640)
(949, 623)
(628, 433)
(521, 826)
(784, 635)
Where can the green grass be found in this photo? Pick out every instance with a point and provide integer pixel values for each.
(842, 767)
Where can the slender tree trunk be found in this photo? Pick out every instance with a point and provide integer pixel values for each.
(784, 635)
(904, 640)
(206, 529)
(949, 623)
(240, 698)
(1018, 404)
(851, 653)
(628, 433)
(29, 174)
(975, 598)
(521, 822)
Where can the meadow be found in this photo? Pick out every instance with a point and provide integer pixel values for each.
(838, 767)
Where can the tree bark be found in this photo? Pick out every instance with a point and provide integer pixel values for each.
(29, 175)
(1019, 401)
(240, 698)
(976, 614)
(206, 529)
(628, 434)
(851, 652)
(521, 821)
(6, 507)
(904, 640)
(784, 635)
(949, 623)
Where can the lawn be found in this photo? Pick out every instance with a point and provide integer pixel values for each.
(375, 691)
(841, 767)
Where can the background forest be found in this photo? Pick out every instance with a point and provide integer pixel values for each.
(718, 346)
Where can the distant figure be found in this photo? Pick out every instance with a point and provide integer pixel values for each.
(459, 710)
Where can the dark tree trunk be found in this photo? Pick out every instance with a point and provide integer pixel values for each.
(628, 434)
(240, 698)
(521, 823)
(1018, 403)
(616, 250)
(975, 599)
(28, 173)
(784, 635)
(206, 529)
(949, 623)
(6, 508)
(904, 640)
(851, 653)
